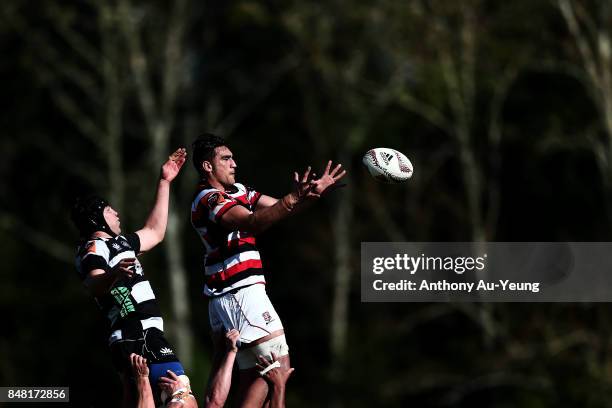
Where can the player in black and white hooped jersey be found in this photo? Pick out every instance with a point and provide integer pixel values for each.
(228, 216)
(108, 266)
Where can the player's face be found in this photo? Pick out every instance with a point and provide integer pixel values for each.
(224, 166)
(112, 219)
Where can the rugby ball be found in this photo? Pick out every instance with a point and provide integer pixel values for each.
(387, 165)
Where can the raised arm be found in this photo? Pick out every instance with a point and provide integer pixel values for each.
(305, 190)
(155, 227)
(219, 385)
(140, 371)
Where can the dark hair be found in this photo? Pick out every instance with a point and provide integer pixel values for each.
(88, 215)
(204, 150)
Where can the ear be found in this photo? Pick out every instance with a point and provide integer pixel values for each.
(207, 166)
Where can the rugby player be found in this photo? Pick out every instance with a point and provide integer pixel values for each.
(219, 386)
(227, 216)
(107, 264)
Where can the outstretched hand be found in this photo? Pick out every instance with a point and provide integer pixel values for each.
(302, 185)
(308, 186)
(171, 168)
(328, 181)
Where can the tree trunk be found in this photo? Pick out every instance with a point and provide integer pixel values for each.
(343, 219)
(175, 263)
(178, 287)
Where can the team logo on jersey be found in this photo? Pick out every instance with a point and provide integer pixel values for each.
(214, 199)
(267, 317)
(165, 351)
(91, 247)
(124, 244)
(122, 297)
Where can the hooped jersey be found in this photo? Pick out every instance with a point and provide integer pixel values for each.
(231, 257)
(130, 305)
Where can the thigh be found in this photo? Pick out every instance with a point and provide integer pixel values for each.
(120, 354)
(157, 349)
(258, 318)
(253, 388)
(161, 357)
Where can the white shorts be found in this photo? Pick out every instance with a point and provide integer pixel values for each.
(247, 357)
(248, 310)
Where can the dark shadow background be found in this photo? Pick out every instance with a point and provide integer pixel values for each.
(494, 104)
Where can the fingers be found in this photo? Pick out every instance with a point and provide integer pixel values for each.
(231, 339)
(306, 175)
(335, 170)
(179, 155)
(126, 267)
(127, 261)
(263, 361)
(134, 359)
(329, 163)
(339, 176)
(172, 375)
(175, 161)
(170, 380)
(232, 335)
(139, 365)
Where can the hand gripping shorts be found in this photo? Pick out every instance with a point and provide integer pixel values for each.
(247, 310)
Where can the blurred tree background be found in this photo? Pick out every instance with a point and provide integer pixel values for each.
(505, 109)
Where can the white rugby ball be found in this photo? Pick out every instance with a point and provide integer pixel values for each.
(387, 165)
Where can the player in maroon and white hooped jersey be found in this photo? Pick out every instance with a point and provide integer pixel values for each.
(228, 216)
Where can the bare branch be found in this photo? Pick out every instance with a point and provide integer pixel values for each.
(468, 61)
(173, 56)
(41, 241)
(81, 169)
(82, 121)
(51, 58)
(582, 42)
(426, 111)
(138, 62)
(500, 93)
(236, 117)
(73, 38)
